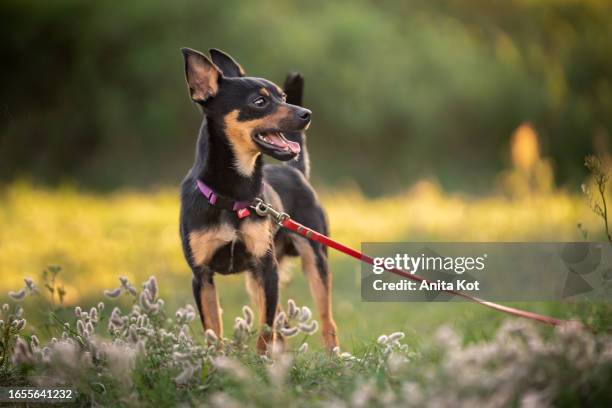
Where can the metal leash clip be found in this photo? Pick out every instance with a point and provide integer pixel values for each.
(262, 209)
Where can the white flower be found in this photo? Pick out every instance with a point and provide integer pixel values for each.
(279, 369)
(211, 337)
(303, 348)
(248, 315)
(112, 293)
(305, 314)
(279, 321)
(19, 295)
(186, 375)
(19, 324)
(152, 286)
(292, 309)
(382, 339)
(289, 331)
(232, 367)
(309, 328)
(396, 336)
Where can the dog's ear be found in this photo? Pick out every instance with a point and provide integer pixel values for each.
(294, 88)
(202, 75)
(226, 64)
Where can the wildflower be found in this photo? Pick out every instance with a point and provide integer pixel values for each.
(101, 306)
(396, 336)
(115, 321)
(248, 315)
(35, 341)
(152, 286)
(112, 293)
(279, 321)
(309, 328)
(289, 331)
(279, 369)
(133, 336)
(446, 338)
(292, 309)
(345, 356)
(363, 395)
(178, 356)
(30, 286)
(211, 337)
(222, 400)
(241, 325)
(19, 295)
(89, 329)
(93, 314)
(80, 327)
(121, 360)
(19, 324)
(303, 348)
(232, 367)
(335, 351)
(77, 311)
(305, 314)
(186, 374)
(22, 353)
(5, 307)
(396, 361)
(382, 339)
(19, 311)
(145, 301)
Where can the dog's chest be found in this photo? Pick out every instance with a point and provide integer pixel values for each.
(229, 247)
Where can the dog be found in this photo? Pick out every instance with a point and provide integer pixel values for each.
(245, 118)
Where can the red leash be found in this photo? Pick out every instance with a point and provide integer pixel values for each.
(284, 220)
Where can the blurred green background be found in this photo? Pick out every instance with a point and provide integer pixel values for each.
(93, 92)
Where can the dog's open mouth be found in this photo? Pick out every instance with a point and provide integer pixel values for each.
(276, 140)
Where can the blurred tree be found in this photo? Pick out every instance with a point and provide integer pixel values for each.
(94, 91)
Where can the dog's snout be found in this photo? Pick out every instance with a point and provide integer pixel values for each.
(304, 115)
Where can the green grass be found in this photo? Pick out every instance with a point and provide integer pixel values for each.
(95, 238)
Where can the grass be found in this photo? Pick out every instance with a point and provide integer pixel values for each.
(95, 238)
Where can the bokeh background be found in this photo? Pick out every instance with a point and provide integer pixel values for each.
(443, 121)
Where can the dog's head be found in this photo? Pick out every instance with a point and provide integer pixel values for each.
(254, 112)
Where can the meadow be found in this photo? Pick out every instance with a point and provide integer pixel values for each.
(95, 238)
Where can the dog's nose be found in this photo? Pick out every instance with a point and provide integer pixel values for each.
(304, 115)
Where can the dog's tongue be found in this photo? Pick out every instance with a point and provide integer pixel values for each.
(278, 140)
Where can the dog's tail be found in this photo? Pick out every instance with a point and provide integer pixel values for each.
(294, 88)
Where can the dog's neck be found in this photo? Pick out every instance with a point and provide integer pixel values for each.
(215, 165)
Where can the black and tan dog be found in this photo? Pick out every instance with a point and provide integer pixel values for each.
(243, 118)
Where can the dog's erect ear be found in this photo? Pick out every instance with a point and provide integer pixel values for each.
(294, 88)
(201, 74)
(226, 64)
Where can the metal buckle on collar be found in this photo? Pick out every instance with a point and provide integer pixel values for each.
(262, 209)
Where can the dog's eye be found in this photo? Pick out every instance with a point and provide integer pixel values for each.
(260, 102)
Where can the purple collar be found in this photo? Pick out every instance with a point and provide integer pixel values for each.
(240, 207)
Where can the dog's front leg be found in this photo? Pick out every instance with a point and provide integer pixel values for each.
(205, 295)
(262, 285)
